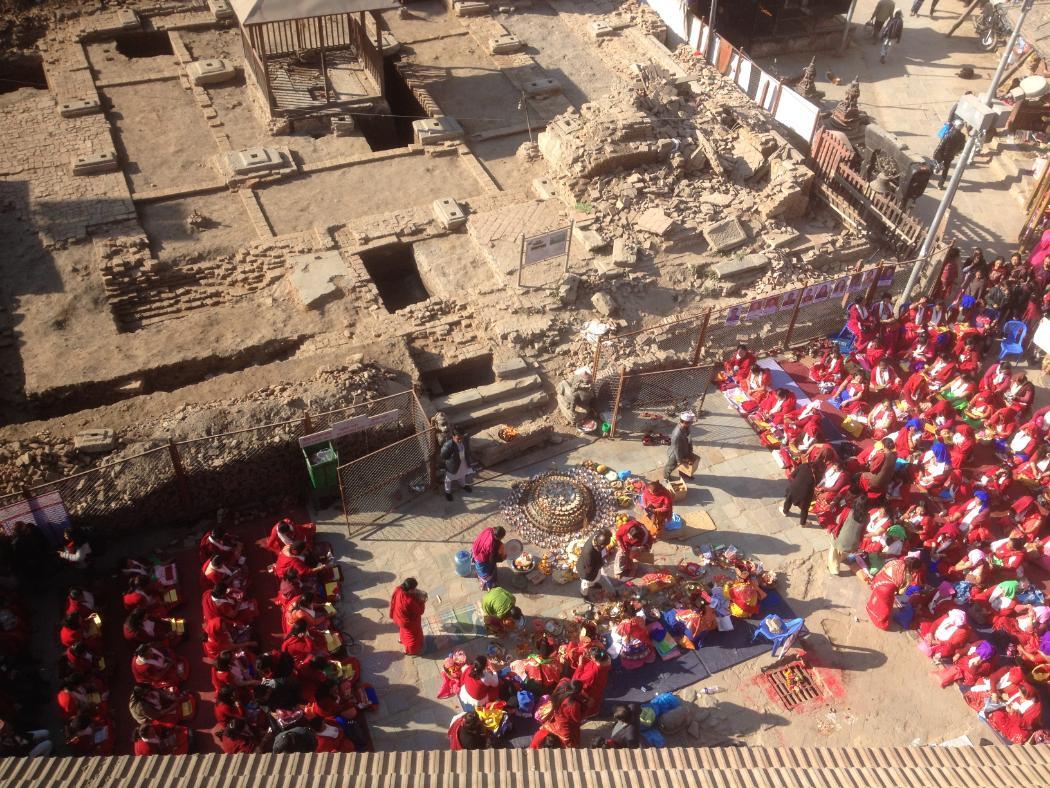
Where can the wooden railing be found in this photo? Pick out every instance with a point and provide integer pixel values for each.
(847, 193)
(371, 57)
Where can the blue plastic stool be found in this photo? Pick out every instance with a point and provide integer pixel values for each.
(785, 638)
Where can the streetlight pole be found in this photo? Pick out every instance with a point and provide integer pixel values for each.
(849, 21)
(964, 158)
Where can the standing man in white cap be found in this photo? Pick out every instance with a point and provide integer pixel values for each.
(681, 449)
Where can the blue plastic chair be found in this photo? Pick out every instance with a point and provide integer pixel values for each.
(785, 638)
(1012, 342)
(845, 340)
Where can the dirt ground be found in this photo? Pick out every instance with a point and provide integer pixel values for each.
(161, 153)
(226, 228)
(337, 196)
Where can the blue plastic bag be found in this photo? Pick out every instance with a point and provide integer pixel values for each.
(526, 703)
(674, 523)
(944, 130)
(654, 738)
(664, 702)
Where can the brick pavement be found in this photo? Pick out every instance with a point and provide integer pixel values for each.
(737, 485)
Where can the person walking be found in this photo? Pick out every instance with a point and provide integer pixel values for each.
(407, 606)
(455, 453)
(801, 485)
(848, 538)
(950, 146)
(883, 11)
(487, 551)
(590, 566)
(891, 33)
(681, 449)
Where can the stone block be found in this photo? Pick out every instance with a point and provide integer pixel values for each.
(312, 277)
(95, 441)
(471, 8)
(543, 188)
(504, 389)
(726, 234)
(95, 163)
(213, 71)
(254, 160)
(624, 255)
(431, 131)
(514, 367)
(696, 161)
(221, 10)
(717, 199)
(604, 304)
(600, 29)
(656, 222)
(391, 46)
(589, 239)
(76, 107)
(749, 264)
(449, 213)
(506, 44)
(541, 87)
(128, 18)
(569, 289)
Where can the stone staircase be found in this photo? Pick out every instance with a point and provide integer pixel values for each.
(517, 390)
(1016, 163)
(732, 767)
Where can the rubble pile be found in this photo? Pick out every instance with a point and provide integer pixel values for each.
(656, 164)
(47, 457)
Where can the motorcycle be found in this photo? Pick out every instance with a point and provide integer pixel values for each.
(991, 27)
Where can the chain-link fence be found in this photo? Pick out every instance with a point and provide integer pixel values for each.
(690, 351)
(189, 479)
(377, 482)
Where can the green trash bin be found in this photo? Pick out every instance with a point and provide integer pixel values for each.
(322, 464)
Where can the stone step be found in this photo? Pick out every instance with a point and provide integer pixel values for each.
(496, 401)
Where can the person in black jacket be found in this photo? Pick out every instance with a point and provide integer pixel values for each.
(455, 453)
(891, 33)
(590, 566)
(801, 483)
(950, 146)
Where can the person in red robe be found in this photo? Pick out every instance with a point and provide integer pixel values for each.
(217, 569)
(158, 666)
(221, 635)
(962, 443)
(81, 602)
(155, 738)
(972, 666)
(147, 595)
(79, 694)
(756, 386)
(75, 629)
(235, 669)
(222, 602)
(287, 532)
(658, 504)
(219, 540)
(80, 659)
(946, 637)
(542, 670)
(890, 581)
(884, 382)
(90, 734)
(916, 390)
(593, 675)
(1019, 715)
(330, 736)
(141, 627)
(1020, 393)
(563, 716)
(631, 537)
(236, 738)
(940, 371)
(776, 405)
(996, 378)
(301, 644)
(830, 370)
(738, 366)
(150, 704)
(408, 603)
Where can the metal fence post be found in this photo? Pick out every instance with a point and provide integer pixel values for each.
(701, 337)
(307, 428)
(791, 325)
(180, 473)
(616, 405)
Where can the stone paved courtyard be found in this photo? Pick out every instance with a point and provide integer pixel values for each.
(740, 489)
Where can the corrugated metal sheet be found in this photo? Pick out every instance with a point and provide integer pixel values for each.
(893, 767)
(257, 12)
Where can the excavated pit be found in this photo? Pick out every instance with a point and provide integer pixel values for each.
(393, 271)
(150, 43)
(467, 374)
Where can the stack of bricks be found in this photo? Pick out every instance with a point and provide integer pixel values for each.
(142, 290)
